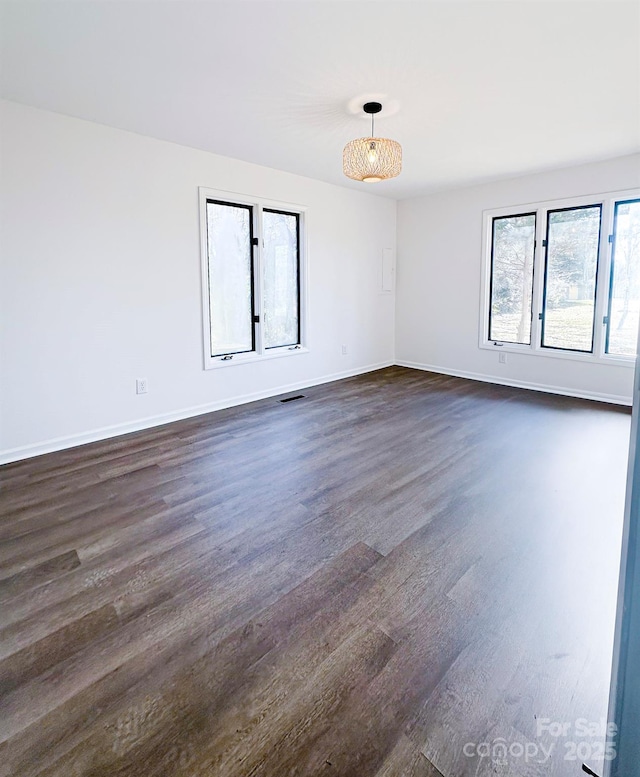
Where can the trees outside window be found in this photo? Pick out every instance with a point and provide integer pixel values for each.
(564, 278)
(572, 247)
(512, 278)
(624, 295)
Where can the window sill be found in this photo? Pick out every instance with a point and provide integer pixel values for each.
(585, 358)
(216, 362)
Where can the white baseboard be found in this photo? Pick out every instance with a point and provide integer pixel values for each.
(614, 399)
(104, 433)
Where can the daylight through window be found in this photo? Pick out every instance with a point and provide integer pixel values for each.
(512, 278)
(624, 295)
(564, 278)
(252, 279)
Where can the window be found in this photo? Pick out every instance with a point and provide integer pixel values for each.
(512, 250)
(568, 309)
(563, 278)
(253, 274)
(281, 278)
(624, 285)
(230, 277)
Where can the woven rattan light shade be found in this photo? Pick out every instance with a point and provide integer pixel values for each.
(372, 159)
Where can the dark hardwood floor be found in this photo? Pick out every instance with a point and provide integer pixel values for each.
(386, 578)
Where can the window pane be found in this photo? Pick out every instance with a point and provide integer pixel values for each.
(573, 237)
(512, 278)
(281, 299)
(230, 278)
(624, 302)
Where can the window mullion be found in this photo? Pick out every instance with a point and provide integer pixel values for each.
(538, 278)
(603, 282)
(258, 281)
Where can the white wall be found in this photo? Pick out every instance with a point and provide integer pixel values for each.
(439, 275)
(100, 281)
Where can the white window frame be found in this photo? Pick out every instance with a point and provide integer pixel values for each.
(607, 202)
(260, 353)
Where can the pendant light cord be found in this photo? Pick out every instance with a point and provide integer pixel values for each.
(372, 115)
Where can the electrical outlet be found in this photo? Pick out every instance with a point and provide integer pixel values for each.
(502, 358)
(344, 350)
(142, 386)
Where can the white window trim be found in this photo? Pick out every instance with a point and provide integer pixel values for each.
(598, 356)
(260, 353)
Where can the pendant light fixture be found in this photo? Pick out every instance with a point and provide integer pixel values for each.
(372, 159)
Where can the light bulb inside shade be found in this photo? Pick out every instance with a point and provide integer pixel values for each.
(371, 179)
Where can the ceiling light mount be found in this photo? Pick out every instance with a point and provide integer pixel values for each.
(372, 159)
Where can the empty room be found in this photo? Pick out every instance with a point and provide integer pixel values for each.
(318, 335)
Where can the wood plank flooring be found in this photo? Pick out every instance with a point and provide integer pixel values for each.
(382, 579)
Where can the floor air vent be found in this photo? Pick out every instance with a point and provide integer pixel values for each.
(291, 399)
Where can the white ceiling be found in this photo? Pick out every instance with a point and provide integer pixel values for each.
(482, 90)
